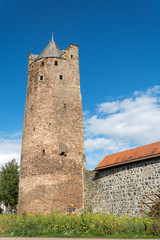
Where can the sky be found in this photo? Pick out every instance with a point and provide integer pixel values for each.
(119, 48)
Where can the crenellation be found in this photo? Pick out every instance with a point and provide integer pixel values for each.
(71, 53)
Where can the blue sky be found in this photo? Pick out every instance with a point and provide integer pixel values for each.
(119, 45)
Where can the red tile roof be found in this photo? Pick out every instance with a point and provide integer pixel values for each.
(132, 155)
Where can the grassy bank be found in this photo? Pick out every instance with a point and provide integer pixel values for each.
(84, 225)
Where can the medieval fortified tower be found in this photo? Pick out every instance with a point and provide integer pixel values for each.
(52, 157)
(53, 172)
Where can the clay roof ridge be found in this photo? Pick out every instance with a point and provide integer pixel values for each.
(139, 153)
(130, 160)
(134, 148)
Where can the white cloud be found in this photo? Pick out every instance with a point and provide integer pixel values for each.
(122, 124)
(109, 107)
(10, 147)
(103, 144)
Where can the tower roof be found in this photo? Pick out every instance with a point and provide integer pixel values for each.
(51, 50)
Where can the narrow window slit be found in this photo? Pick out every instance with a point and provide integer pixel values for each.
(31, 109)
(43, 152)
(56, 63)
(42, 63)
(60, 77)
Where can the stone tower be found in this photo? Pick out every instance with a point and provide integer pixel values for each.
(52, 156)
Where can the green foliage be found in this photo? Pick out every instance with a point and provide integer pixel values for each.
(9, 180)
(82, 225)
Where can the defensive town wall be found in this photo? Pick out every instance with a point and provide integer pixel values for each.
(118, 190)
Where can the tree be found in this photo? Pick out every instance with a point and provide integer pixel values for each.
(9, 181)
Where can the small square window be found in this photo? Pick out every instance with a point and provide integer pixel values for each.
(41, 77)
(60, 77)
(56, 63)
(42, 63)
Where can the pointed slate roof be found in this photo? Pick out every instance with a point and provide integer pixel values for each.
(135, 154)
(51, 50)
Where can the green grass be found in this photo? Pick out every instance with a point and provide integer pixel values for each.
(116, 236)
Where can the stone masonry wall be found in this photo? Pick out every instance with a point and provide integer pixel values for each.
(52, 155)
(118, 190)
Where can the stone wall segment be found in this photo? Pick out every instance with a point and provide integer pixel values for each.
(118, 190)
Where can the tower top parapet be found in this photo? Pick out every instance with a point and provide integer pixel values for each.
(53, 51)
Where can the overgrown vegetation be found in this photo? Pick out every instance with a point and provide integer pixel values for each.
(83, 225)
